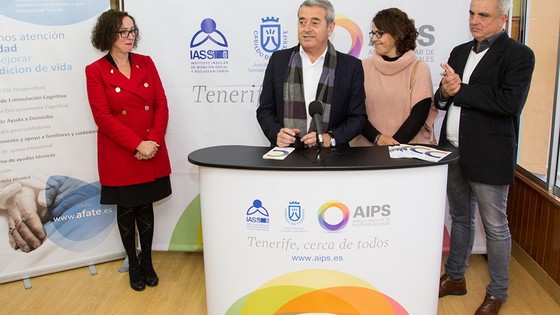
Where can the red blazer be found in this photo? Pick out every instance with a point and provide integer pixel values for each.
(128, 111)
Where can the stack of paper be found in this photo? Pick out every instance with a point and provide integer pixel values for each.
(417, 151)
(278, 153)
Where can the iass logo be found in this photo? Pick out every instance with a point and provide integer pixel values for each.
(372, 215)
(209, 52)
(267, 39)
(294, 215)
(257, 216)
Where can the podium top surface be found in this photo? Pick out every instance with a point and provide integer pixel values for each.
(356, 158)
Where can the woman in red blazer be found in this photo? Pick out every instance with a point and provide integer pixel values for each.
(129, 106)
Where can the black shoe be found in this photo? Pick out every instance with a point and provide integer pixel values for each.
(138, 285)
(136, 278)
(151, 281)
(150, 277)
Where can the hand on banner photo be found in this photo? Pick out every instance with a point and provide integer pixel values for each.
(62, 193)
(25, 226)
(29, 207)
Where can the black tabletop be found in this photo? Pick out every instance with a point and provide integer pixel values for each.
(359, 158)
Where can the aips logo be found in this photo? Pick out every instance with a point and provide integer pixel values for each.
(373, 211)
(356, 36)
(333, 216)
(270, 37)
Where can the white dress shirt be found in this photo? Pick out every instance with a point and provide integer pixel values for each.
(454, 112)
(311, 74)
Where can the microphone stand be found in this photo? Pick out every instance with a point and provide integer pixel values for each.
(318, 155)
(316, 112)
(319, 147)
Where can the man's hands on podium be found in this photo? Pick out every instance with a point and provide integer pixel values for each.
(287, 137)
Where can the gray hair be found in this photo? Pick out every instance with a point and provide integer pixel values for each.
(325, 4)
(504, 6)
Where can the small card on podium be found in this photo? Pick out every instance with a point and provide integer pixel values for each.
(278, 153)
(418, 152)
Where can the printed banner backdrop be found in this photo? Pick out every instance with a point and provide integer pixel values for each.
(211, 57)
(48, 176)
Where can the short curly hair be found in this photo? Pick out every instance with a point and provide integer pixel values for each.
(104, 33)
(396, 22)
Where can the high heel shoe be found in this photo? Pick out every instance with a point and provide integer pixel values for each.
(150, 277)
(138, 285)
(151, 281)
(136, 278)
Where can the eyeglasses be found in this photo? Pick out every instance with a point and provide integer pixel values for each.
(377, 34)
(126, 33)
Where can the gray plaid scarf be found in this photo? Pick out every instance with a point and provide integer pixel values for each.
(294, 98)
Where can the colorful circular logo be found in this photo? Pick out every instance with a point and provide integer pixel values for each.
(355, 34)
(333, 206)
(316, 291)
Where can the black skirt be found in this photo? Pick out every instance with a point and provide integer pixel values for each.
(136, 195)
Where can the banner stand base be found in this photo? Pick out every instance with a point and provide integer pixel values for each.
(124, 266)
(27, 283)
(92, 270)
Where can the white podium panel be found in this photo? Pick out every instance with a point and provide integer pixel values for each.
(323, 241)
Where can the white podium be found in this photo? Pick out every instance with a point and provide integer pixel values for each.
(353, 233)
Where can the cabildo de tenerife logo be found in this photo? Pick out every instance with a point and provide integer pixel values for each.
(209, 53)
(316, 291)
(257, 217)
(267, 39)
(294, 215)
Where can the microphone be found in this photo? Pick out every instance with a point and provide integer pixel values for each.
(316, 111)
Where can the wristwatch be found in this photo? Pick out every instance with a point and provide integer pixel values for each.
(333, 142)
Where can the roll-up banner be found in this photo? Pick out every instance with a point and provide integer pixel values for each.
(50, 216)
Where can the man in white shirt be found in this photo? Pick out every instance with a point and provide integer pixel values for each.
(310, 71)
(484, 88)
